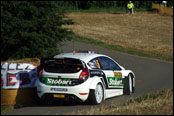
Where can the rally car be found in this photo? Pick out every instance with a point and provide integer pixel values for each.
(86, 76)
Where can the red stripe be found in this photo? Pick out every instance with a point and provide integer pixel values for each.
(83, 93)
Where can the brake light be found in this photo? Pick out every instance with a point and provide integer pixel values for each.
(84, 74)
(40, 73)
(60, 60)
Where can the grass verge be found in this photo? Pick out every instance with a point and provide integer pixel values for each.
(6, 108)
(104, 9)
(120, 49)
(158, 103)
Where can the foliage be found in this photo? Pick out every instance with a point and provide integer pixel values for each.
(106, 4)
(31, 29)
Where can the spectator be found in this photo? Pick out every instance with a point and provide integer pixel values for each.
(164, 3)
(130, 7)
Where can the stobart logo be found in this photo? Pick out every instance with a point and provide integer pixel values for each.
(58, 81)
(115, 81)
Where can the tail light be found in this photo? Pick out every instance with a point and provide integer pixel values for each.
(40, 74)
(84, 74)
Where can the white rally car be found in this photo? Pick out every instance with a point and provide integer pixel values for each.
(87, 76)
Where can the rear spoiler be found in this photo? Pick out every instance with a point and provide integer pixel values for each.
(42, 61)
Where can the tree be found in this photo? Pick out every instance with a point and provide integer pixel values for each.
(84, 4)
(31, 29)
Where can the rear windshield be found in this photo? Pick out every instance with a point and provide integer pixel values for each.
(63, 65)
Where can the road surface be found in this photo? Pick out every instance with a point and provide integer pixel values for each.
(151, 75)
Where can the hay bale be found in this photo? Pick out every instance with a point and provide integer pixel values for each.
(34, 61)
(20, 95)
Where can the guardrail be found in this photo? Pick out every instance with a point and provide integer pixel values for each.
(163, 9)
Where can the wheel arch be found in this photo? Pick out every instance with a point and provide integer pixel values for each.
(126, 74)
(133, 81)
(95, 81)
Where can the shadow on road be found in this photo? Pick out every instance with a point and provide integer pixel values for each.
(57, 103)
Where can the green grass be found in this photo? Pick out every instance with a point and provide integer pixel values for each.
(6, 108)
(104, 9)
(121, 49)
(151, 96)
(159, 102)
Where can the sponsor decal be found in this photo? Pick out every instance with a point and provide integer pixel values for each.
(18, 75)
(11, 79)
(58, 89)
(2, 81)
(96, 73)
(117, 74)
(115, 81)
(24, 79)
(56, 81)
(16, 66)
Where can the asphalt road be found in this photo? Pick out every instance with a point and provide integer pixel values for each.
(151, 75)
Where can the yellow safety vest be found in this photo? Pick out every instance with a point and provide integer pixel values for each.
(130, 5)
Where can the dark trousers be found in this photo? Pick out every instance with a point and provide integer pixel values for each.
(130, 10)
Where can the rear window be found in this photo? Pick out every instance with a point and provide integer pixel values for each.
(66, 65)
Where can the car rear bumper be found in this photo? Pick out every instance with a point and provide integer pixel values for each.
(80, 91)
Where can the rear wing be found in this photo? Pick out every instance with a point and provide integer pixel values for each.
(69, 61)
(42, 60)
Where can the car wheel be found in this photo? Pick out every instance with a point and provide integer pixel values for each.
(96, 96)
(128, 85)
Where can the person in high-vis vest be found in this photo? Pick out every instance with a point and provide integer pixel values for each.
(130, 7)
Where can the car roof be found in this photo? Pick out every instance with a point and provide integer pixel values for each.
(86, 57)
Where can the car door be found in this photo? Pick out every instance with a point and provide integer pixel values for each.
(112, 72)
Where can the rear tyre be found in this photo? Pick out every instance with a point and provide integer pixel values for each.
(128, 85)
(96, 96)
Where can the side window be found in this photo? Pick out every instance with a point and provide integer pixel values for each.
(108, 64)
(104, 63)
(94, 63)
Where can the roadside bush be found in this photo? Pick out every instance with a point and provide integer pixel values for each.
(31, 29)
